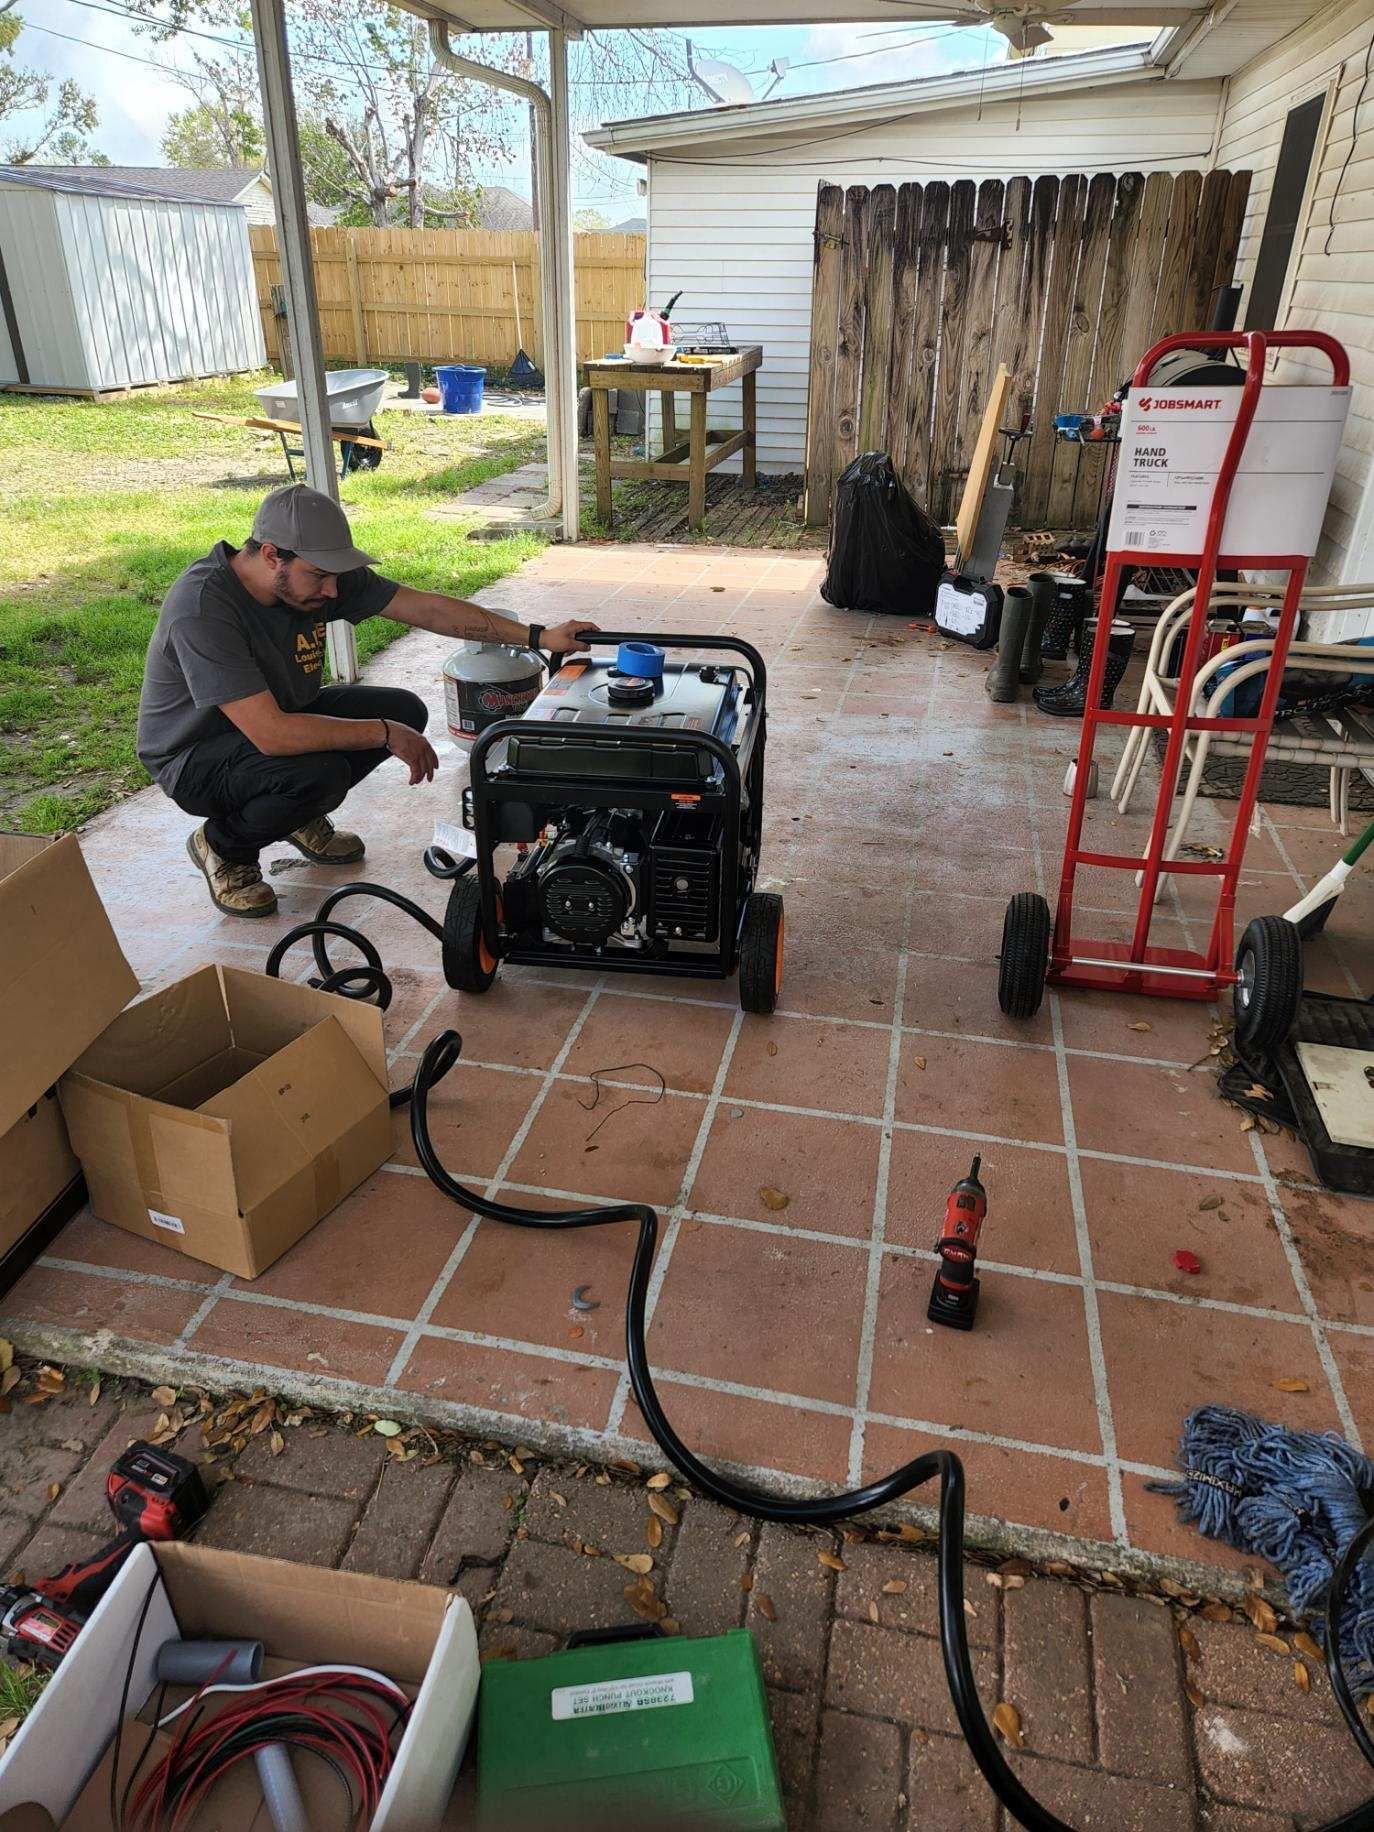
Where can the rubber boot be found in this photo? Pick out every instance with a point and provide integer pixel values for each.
(1004, 674)
(1067, 701)
(1044, 592)
(1070, 607)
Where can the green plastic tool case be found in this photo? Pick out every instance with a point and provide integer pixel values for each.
(661, 1732)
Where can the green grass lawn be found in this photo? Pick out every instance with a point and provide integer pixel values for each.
(103, 503)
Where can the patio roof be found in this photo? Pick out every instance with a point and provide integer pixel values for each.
(611, 15)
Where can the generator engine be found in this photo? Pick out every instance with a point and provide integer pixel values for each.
(632, 792)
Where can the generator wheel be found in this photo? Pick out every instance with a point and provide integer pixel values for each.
(1268, 984)
(760, 953)
(469, 964)
(1025, 955)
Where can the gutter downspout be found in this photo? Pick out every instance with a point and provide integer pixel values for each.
(539, 101)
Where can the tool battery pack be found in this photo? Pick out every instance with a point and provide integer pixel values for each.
(653, 1730)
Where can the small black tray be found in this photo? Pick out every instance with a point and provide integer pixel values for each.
(1345, 1024)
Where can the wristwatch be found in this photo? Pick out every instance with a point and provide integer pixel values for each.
(536, 635)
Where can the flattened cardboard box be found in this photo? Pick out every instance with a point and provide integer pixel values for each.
(65, 978)
(225, 1114)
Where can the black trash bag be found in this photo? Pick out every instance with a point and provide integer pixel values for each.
(885, 552)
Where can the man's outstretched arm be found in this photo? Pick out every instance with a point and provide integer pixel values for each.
(459, 617)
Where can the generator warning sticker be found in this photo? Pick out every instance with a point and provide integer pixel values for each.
(650, 1693)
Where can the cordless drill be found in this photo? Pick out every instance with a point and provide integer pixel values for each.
(954, 1295)
(153, 1494)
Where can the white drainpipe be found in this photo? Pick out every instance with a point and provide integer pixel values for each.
(559, 355)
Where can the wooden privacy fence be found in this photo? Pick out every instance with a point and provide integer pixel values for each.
(919, 292)
(438, 295)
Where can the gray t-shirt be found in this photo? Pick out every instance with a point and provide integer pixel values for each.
(214, 642)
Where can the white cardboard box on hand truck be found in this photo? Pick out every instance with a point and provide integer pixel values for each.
(418, 1635)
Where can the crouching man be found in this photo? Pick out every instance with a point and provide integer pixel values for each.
(234, 722)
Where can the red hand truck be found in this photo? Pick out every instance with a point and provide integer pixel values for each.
(1268, 974)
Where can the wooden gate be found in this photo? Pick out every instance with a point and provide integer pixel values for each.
(920, 291)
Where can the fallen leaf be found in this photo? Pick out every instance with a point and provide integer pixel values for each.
(1302, 1679)
(1275, 1643)
(773, 1199)
(1248, 1123)
(1007, 1720)
(276, 1443)
(653, 1532)
(635, 1561)
(746, 1581)
(10, 1379)
(1217, 1612)
(772, 1049)
(54, 1490)
(1259, 1612)
(659, 1481)
(387, 1428)
(1189, 1642)
(830, 1561)
(1291, 1385)
(264, 1416)
(6, 1353)
(576, 1333)
(894, 1587)
(163, 1397)
(1209, 1202)
(742, 1539)
(1193, 1695)
(94, 1393)
(1140, 1025)
(765, 1606)
(920, 1061)
(873, 1612)
(1305, 1645)
(665, 1510)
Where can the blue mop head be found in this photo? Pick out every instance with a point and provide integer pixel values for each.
(1295, 1498)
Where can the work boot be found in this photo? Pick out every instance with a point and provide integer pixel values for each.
(1072, 603)
(1044, 593)
(238, 890)
(1067, 701)
(322, 843)
(1002, 677)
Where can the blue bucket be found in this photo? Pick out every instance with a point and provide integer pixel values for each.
(460, 387)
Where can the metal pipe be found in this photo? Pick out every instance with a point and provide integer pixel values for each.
(293, 239)
(542, 105)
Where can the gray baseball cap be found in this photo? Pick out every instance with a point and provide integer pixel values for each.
(311, 524)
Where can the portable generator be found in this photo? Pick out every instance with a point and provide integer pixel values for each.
(633, 790)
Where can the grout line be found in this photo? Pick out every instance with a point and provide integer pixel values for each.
(1091, 1315)
(212, 1297)
(464, 1241)
(679, 1208)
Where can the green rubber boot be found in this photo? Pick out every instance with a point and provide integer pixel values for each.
(1003, 678)
(1044, 590)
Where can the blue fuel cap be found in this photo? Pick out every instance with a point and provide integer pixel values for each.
(642, 659)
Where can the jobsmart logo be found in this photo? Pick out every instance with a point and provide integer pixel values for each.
(497, 699)
(1164, 403)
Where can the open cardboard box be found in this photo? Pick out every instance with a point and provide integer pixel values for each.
(421, 1637)
(226, 1113)
(65, 978)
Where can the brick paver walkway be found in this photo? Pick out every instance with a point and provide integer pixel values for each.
(1128, 1722)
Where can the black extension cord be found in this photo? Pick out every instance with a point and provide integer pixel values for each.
(440, 1055)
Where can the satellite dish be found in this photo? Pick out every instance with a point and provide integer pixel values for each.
(721, 81)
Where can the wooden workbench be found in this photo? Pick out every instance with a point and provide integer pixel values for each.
(681, 461)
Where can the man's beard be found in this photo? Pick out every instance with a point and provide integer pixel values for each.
(308, 607)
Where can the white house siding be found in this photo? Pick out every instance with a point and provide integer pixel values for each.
(1329, 291)
(114, 291)
(734, 228)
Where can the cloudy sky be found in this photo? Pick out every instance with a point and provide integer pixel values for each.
(127, 74)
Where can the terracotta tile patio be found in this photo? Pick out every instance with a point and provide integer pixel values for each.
(902, 809)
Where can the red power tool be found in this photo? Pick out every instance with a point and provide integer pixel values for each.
(33, 1629)
(954, 1295)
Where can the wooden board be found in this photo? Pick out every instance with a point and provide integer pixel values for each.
(981, 461)
(820, 385)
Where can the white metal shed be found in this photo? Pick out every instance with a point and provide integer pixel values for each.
(106, 284)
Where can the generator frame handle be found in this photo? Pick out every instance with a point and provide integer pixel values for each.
(730, 645)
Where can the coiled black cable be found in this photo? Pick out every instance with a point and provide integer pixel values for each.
(439, 1057)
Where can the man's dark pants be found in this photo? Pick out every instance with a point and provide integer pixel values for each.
(248, 800)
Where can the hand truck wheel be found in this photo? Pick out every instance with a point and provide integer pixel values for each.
(760, 953)
(1025, 956)
(469, 965)
(1268, 986)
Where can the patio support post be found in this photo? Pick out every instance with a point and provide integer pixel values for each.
(555, 258)
(559, 252)
(293, 243)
